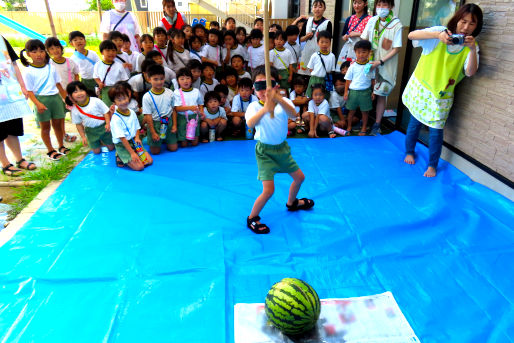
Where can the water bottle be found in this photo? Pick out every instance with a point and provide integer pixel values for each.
(249, 132)
(164, 126)
(140, 152)
(212, 134)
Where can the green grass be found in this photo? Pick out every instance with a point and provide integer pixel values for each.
(20, 40)
(53, 172)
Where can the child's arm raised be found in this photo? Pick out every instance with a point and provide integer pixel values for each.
(269, 106)
(290, 110)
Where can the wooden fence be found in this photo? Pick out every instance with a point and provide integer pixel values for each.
(89, 22)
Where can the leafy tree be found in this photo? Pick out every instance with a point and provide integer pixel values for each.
(14, 5)
(106, 5)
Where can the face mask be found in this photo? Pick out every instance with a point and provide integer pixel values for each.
(120, 6)
(382, 12)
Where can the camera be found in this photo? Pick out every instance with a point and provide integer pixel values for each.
(457, 39)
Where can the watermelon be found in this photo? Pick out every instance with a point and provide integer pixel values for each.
(292, 306)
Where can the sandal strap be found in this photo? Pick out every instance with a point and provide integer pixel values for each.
(20, 162)
(8, 166)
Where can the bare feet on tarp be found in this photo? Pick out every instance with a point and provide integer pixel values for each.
(430, 172)
(409, 159)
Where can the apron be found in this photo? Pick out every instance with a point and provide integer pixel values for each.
(128, 26)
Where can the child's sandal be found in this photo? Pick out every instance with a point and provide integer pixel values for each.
(63, 150)
(54, 155)
(252, 224)
(28, 166)
(307, 204)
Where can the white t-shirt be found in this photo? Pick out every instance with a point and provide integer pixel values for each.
(124, 126)
(220, 113)
(164, 102)
(121, 57)
(238, 105)
(137, 84)
(295, 50)
(128, 26)
(336, 100)
(281, 59)
(139, 60)
(195, 55)
(238, 50)
(95, 107)
(269, 131)
(205, 87)
(134, 106)
(191, 97)
(180, 60)
(35, 78)
(255, 56)
(245, 74)
(293, 96)
(86, 63)
(360, 80)
(66, 70)
(212, 53)
(428, 45)
(317, 67)
(322, 108)
(117, 72)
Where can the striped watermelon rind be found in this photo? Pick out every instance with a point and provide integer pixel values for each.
(292, 306)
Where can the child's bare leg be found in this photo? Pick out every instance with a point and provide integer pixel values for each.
(172, 147)
(136, 165)
(110, 147)
(222, 125)
(325, 123)
(312, 125)
(59, 133)
(298, 178)
(183, 144)
(430, 172)
(291, 126)
(149, 160)
(195, 141)
(155, 150)
(97, 151)
(45, 135)
(364, 128)
(350, 120)
(268, 188)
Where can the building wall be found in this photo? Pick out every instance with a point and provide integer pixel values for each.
(482, 120)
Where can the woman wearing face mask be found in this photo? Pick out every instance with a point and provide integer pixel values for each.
(384, 31)
(118, 19)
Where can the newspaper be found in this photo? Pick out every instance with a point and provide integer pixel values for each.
(369, 319)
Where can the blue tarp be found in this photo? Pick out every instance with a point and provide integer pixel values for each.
(164, 254)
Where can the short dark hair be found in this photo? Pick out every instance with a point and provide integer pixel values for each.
(261, 70)
(214, 32)
(292, 30)
(152, 54)
(107, 45)
(53, 41)
(245, 83)
(194, 64)
(155, 69)
(271, 35)
(146, 36)
(277, 26)
(115, 34)
(221, 89)
(299, 81)
(117, 90)
(231, 34)
(184, 72)
(206, 65)
(389, 2)
(147, 63)
(230, 71)
(200, 26)
(237, 56)
(229, 19)
(318, 86)
(214, 23)
(125, 38)
(319, 2)
(211, 95)
(338, 77)
(281, 34)
(362, 44)
(257, 20)
(345, 64)
(476, 13)
(159, 31)
(256, 33)
(75, 34)
(324, 34)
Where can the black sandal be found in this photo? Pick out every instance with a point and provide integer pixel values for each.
(256, 228)
(63, 150)
(27, 167)
(11, 170)
(307, 204)
(54, 155)
(119, 162)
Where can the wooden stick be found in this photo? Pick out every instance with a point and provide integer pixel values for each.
(266, 47)
(50, 19)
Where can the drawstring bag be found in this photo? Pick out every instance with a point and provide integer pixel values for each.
(191, 128)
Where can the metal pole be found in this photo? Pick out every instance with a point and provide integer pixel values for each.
(52, 26)
(266, 48)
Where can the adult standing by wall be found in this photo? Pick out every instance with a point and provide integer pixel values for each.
(13, 106)
(172, 19)
(384, 31)
(118, 19)
(309, 34)
(353, 28)
(430, 90)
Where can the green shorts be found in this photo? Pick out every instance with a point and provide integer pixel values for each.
(97, 135)
(284, 75)
(90, 84)
(105, 96)
(272, 159)
(181, 126)
(123, 153)
(171, 138)
(359, 99)
(55, 108)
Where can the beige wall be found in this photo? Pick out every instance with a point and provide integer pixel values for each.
(482, 120)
